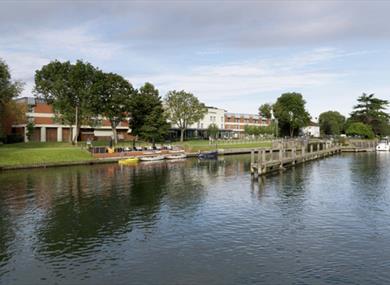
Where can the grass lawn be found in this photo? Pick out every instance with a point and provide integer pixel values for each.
(203, 145)
(55, 152)
(37, 153)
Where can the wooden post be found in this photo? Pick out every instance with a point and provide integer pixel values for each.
(252, 161)
(260, 162)
(281, 154)
(281, 157)
(294, 155)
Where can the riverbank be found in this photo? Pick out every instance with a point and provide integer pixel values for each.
(42, 155)
(35, 155)
(115, 159)
(23, 155)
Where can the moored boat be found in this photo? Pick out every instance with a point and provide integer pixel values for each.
(383, 145)
(152, 158)
(130, 160)
(176, 156)
(208, 155)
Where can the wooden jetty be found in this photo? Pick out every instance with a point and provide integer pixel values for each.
(267, 160)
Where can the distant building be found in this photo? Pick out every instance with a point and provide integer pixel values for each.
(199, 129)
(235, 123)
(312, 130)
(47, 129)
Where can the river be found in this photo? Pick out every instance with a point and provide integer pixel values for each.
(190, 222)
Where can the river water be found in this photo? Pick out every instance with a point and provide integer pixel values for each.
(190, 222)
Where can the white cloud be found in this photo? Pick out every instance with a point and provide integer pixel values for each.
(26, 52)
(226, 82)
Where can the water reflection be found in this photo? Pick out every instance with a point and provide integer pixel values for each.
(197, 222)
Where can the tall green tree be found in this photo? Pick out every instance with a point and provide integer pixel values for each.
(9, 89)
(184, 109)
(371, 111)
(111, 99)
(142, 103)
(265, 111)
(68, 87)
(331, 123)
(290, 112)
(155, 126)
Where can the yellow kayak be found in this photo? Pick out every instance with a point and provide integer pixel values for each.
(130, 160)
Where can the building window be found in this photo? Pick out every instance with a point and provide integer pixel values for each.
(237, 120)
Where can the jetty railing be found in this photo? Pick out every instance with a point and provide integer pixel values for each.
(266, 160)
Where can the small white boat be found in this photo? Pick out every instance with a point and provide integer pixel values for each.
(176, 156)
(152, 158)
(383, 145)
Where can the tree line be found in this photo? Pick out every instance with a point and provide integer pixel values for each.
(82, 94)
(368, 118)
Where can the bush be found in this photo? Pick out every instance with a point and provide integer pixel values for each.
(361, 130)
(14, 138)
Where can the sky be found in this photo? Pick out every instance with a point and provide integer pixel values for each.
(234, 55)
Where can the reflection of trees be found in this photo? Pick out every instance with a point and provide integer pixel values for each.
(79, 208)
(11, 187)
(103, 202)
(7, 234)
(369, 172)
(185, 189)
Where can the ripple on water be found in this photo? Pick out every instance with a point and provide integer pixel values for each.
(325, 222)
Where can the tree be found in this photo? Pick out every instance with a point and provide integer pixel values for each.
(30, 130)
(142, 103)
(68, 88)
(251, 130)
(360, 129)
(213, 131)
(265, 111)
(371, 111)
(155, 126)
(184, 109)
(290, 112)
(111, 100)
(9, 90)
(331, 123)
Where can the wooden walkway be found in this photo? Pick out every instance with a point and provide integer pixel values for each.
(264, 161)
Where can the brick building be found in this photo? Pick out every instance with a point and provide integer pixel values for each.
(47, 129)
(236, 122)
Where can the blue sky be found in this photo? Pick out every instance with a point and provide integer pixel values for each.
(233, 55)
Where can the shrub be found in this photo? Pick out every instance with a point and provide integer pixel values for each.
(361, 130)
(14, 138)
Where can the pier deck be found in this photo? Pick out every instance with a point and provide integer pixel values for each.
(264, 161)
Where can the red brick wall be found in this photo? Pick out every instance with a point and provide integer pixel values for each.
(44, 121)
(43, 108)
